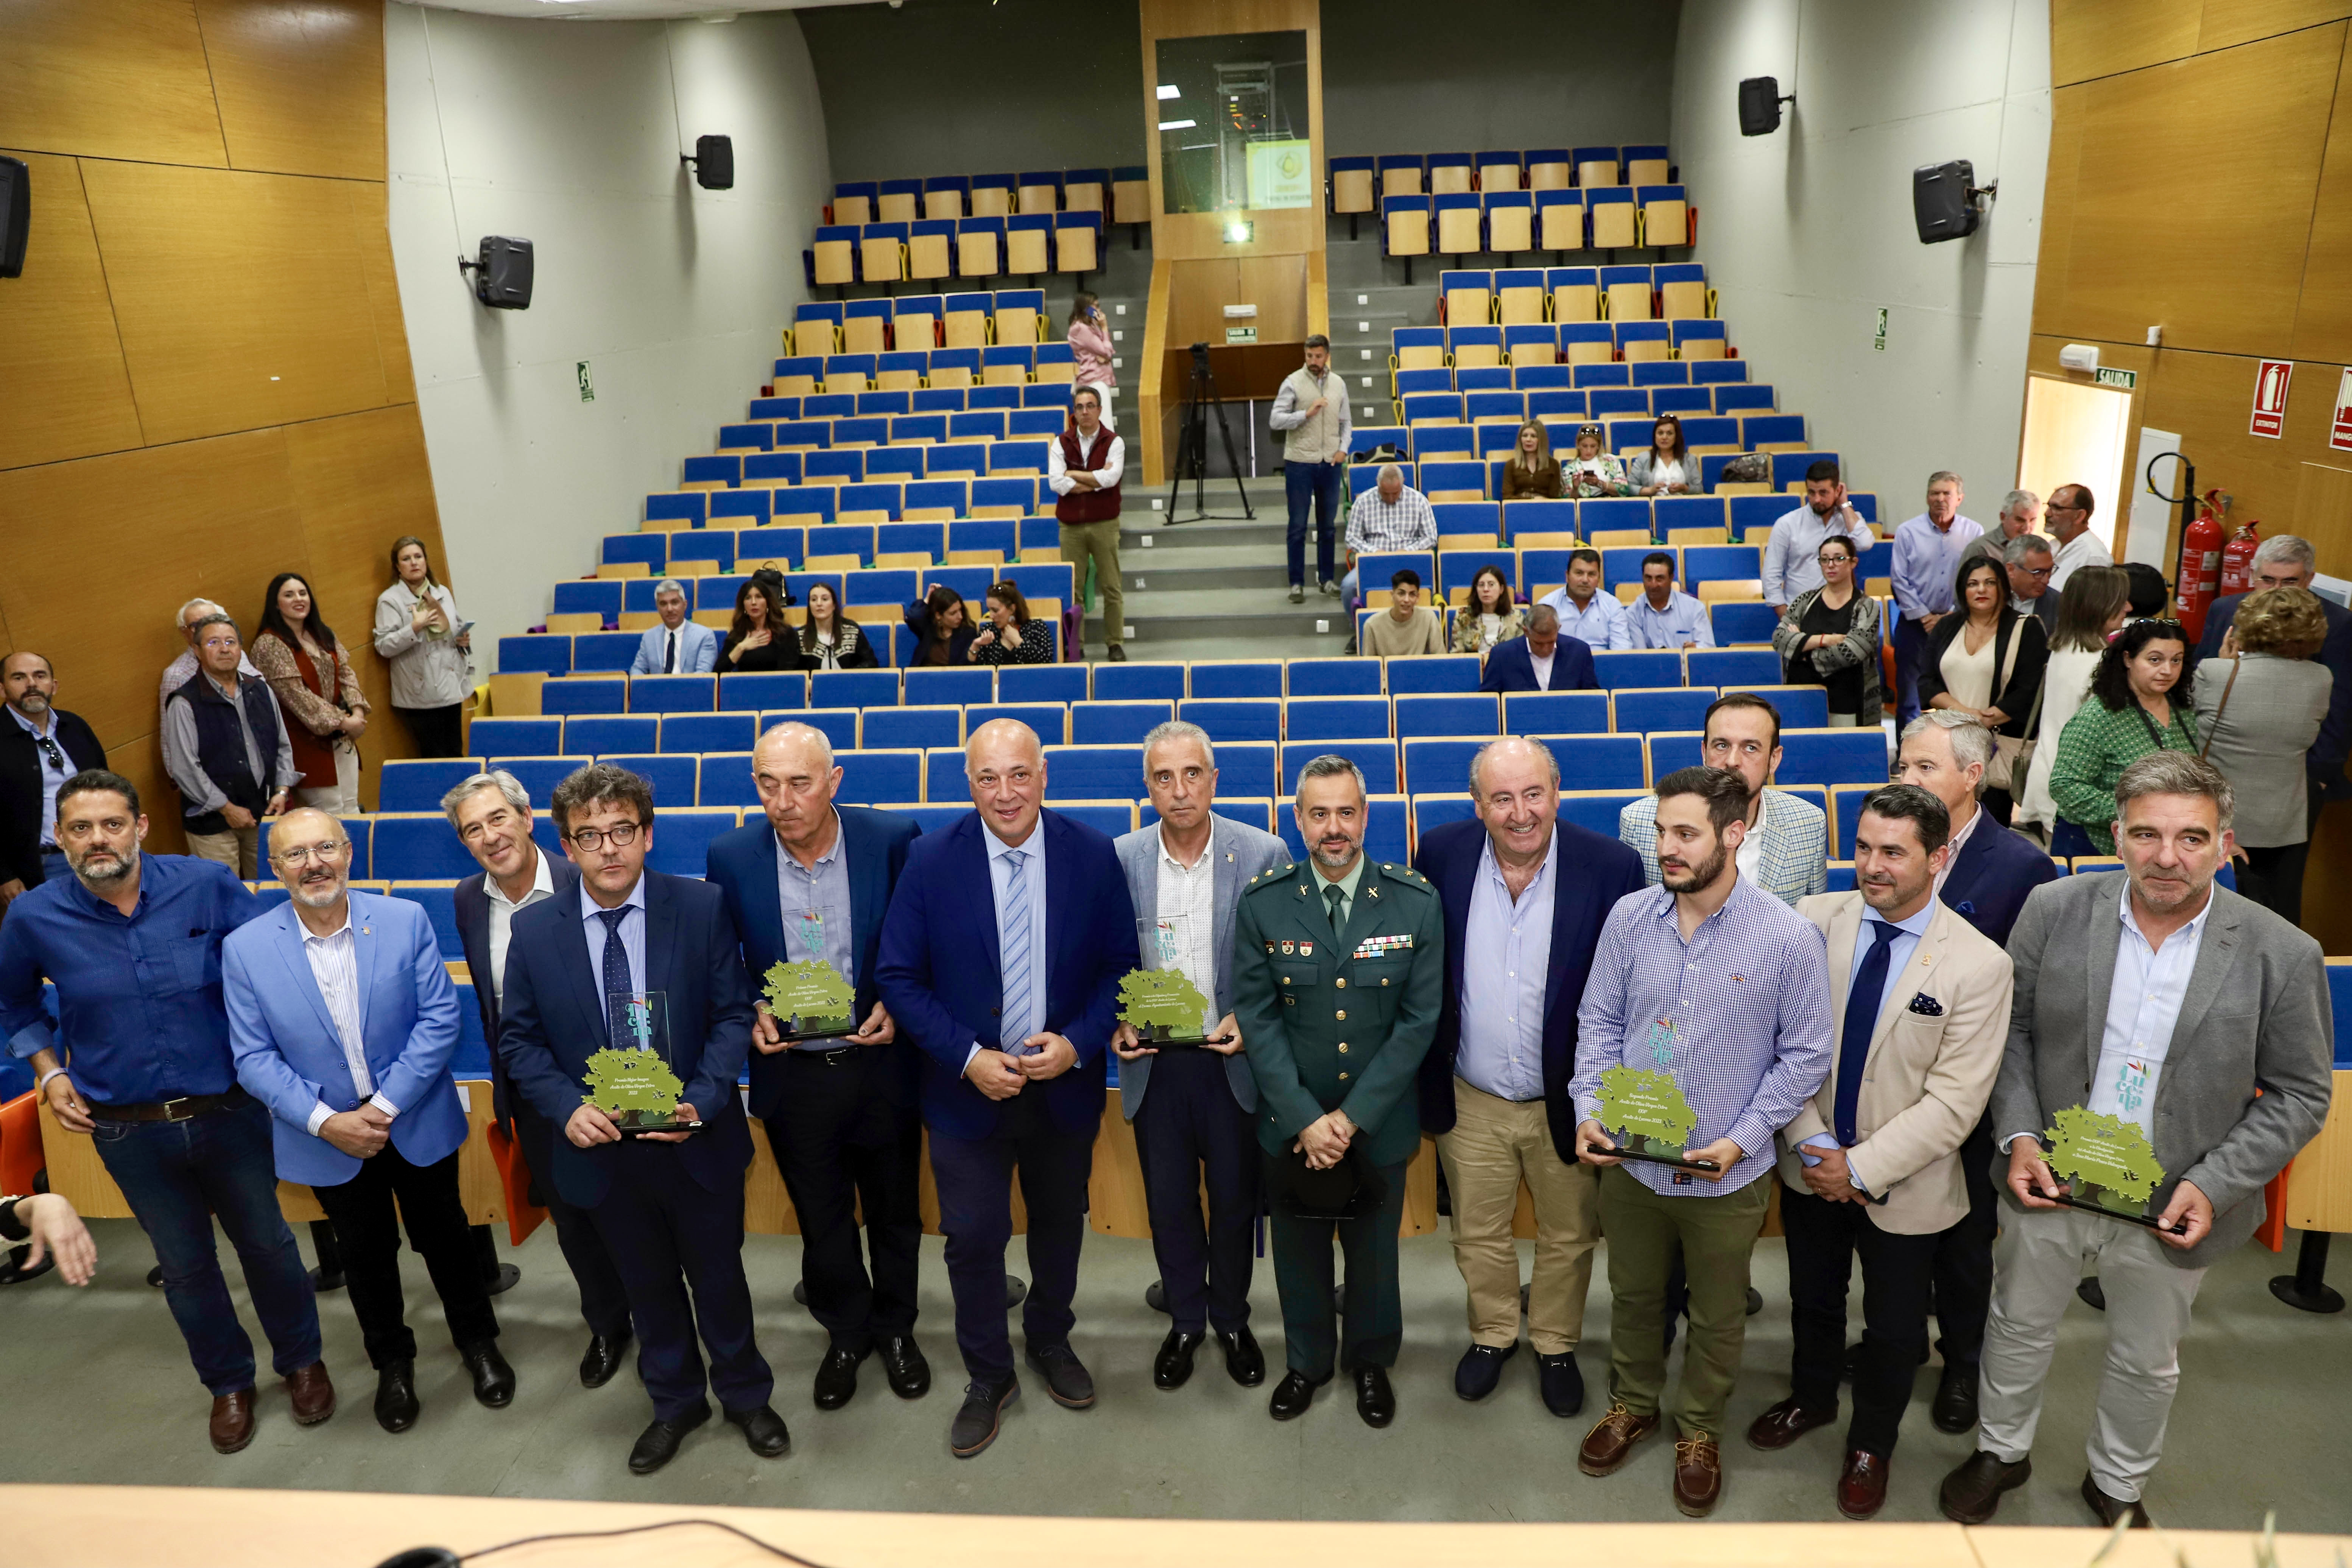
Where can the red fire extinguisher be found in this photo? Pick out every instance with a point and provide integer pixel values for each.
(2238, 557)
(2200, 566)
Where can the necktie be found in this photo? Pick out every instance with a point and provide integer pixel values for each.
(1018, 1026)
(669, 654)
(1861, 1023)
(617, 961)
(1332, 895)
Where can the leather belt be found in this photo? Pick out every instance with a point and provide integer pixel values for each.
(838, 1056)
(186, 1108)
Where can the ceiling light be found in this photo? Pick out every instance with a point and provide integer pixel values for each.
(1178, 124)
(1167, 89)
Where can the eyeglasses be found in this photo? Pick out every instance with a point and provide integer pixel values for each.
(2037, 573)
(303, 854)
(220, 642)
(49, 750)
(1826, 556)
(593, 839)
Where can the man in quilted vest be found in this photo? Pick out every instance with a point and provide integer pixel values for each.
(1084, 467)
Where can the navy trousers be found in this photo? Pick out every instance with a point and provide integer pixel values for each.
(1823, 1239)
(1190, 1125)
(604, 1299)
(1910, 652)
(669, 1234)
(839, 1141)
(974, 1176)
(1316, 483)
(1964, 1255)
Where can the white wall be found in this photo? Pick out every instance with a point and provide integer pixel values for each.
(565, 133)
(1808, 231)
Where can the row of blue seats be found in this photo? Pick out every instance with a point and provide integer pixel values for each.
(1789, 468)
(1430, 404)
(1560, 401)
(870, 326)
(864, 371)
(890, 402)
(879, 253)
(1007, 499)
(1424, 348)
(1690, 341)
(899, 199)
(1744, 515)
(872, 587)
(1504, 223)
(957, 460)
(1637, 290)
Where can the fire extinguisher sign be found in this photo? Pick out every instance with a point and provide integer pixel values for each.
(2270, 397)
(2339, 430)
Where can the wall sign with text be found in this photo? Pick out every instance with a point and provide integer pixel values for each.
(2270, 397)
(2340, 428)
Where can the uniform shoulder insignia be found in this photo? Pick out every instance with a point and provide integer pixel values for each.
(1406, 874)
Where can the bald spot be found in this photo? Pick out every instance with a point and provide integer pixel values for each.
(788, 745)
(999, 743)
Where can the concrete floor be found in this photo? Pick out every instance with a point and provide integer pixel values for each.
(96, 1388)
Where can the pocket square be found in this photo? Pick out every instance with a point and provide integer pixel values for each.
(1926, 1006)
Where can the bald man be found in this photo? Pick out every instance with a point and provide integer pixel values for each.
(1010, 995)
(813, 882)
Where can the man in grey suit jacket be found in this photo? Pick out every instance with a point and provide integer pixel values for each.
(1194, 1110)
(677, 645)
(2158, 998)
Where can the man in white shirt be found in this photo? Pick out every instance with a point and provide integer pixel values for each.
(2069, 516)
(1311, 411)
(678, 645)
(1789, 568)
(1594, 618)
(1084, 466)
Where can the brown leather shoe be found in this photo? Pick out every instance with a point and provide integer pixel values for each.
(1608, 1445)
(231, 1423)
(1785, 1423)
(2110, 1510)
(312, 1392)
(1861, 1490)
(1698, 1476)
(1971, 1493)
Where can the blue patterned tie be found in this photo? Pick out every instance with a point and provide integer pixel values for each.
(1017, 1025)
(1861, 1023)
(617, 961)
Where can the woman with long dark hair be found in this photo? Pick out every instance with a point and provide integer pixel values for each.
(1090, 338)
(829, 642)
(1667, 468)
(318, 692)
(1490, 617)
(1012, 636)
(759, 642)
(2143, 699)
(1986, 660)
(430, 651)
(1828, 637)
(942, 627)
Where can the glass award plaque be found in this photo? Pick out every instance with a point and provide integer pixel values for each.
(2109, 1165)
(1167, 1010)
(633, 1080)
(1645, 1115)
(810, 1001)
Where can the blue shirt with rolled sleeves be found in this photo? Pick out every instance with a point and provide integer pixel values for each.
(1925, 558)
(1684, 620)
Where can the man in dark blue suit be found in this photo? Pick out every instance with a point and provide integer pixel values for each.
(1001, 959)
(491, 813)
(1985, 881)
(813, 882)
(668, 1205)
(1543, 660)
(1525, 895)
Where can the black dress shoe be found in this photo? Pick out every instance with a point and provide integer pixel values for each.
(395, 1396)
(322, 1280)
(976, 1424)
(903, 1364)
(155, 1280)
(1955, 1405)
(504, 1280)
(837, 1377)
(1293, 1395)
(2091, 1293)
(494, 1380)
(1174, 1364)
(1243, 1360)
(2112, 1509)
(658, 1445)
(1375, 1400)
(1119, 653)
(1067, 1378)
(1480, 1368)
(1971, 1493)
(763, 1431)
(1562, 1382)
(603, 1360)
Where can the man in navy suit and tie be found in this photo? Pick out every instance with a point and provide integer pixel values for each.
(668, 1205)
(1001, 958)
(491, 813)
(813, 881)
(1543, 660)
(1984, 881)
(343, 1020)
(679, 645)
(1525, 895)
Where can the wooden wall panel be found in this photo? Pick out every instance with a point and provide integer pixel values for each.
(2228, 23)
(65, 391)
(108, 78)
(372, 222)
(286, 76)
(2049, 276)
(2091, 39)
(2323, 322)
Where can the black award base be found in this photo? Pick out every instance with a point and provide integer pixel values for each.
(2074, 1203)
(802, 1036)
(1185, 1042)
(1647, 1158)
(632, 1130)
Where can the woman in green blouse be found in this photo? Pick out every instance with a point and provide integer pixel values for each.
(2142, 699)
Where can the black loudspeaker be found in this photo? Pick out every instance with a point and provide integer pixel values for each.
(714, 162)
(1759, 106)
(502, 275)
(15, 214)
(1941, 204)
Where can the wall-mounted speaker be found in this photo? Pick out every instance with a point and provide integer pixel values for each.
(1943, 201)
(502, 273)
(1759, 106)
(714, 162)
(15, 214)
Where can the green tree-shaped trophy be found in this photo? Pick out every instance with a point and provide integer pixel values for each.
(1645, 1115)
(1167, 1010)
(631, 1079)
(812, 998)
(2104, 1158)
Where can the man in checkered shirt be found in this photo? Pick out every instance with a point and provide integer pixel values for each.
(1389, 518)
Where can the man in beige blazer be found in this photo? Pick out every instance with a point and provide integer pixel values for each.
(1872, 1163)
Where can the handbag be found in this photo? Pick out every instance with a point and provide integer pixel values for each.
(2012, 756)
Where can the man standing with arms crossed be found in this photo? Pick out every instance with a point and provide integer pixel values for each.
(1084, 466)
(1311, 408)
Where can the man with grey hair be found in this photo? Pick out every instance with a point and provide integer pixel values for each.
(678, 645)
(1546, 659)
(225, 746)
(1524, 897)
(1390, 517)
(2068, 517)
(1341, 966)
(2184, 997)
(1193, 1107)
(2030, 561)
(1928, 549)
(2021, 513)
(178, 673)
(2284, 561)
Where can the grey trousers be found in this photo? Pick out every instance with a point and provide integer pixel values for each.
(2035, 1266)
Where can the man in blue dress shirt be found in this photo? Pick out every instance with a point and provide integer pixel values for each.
(133, 946)
(1661, 616)
(1927, 550)
(1585, 613)
(679, 645)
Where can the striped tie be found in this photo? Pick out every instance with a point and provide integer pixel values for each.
(1017, 1024)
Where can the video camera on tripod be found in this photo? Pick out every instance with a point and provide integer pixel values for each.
(1192, 442)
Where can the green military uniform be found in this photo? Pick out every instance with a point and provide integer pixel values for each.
(1339, 1025)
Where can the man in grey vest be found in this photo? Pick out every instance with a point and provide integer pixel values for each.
(1311, 409)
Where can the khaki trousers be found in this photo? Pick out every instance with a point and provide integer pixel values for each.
(1098, 541)
(1494, 1144)
(234, 848)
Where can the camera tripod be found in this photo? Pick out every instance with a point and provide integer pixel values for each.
(1192, 443)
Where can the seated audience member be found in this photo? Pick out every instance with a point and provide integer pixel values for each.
(43, 747)
(176, 673)
(1490, 617)
(1828, 637)
(1928, 550)
(1543, 660)
(1390, 517)
(2284, 561)
(1661, 616)
(1785, 848)
(2019, 512)
(42, 1231)
(2029, 562)
(2259, 714)
(942, 627)
(1012, 635)
(1409, 626)
(430, 649)
(1533, 473)
(1667, 468)
(2143, 698)
(760, 641)
(829, 642)
(1791, 562)
(1585, 613)
(225, 745)
(318, 692)
(1986, 660)
(680, 645)
(2091, 611)
(1594, 473)
(2069, 518)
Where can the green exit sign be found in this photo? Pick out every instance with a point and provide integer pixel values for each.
(2124, 379)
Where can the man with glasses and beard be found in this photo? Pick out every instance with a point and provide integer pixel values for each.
(43, 747)
(133, 946)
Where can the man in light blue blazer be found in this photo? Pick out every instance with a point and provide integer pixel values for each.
(342, 1019)
(679, 645)
(1185, 874)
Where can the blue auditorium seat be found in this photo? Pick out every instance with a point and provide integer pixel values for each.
(413, 784)
(1639, 712)
(1092, 773)
(419, 848)
(2339, 997)
(1598, 810)
(516, 737)
(1734, 668)
(1247, 768)
(1742, 623)
(943, 776)
(1840, 875)
(597, 735)
(1110, 817)
(438, 899)
(1436, 764)
(1138, 683)
(672, 693)
(1833, 756)
(1620, 669)
(1545, 714)
(1671, 750)
(538, 775)
(1600, 762)
(1479, 713)
(837, 725)
(726, 780)
(589, 595)
(1444, 673)
(682, 836)
(1334, 677)
(937, 817)
(1800, 706)
(1041, 683)
(687, 733)
(1234, 719)
(535, 653)
(1337, 717)
(603, 652)
(935, 687)
(910, 729)
(1237, 677)
(1050, 719)
(852, 689)
(757, 693)
(1376, 759)
(563, 696)
(880, 778)
(1117, 723)
(1845, 811)
(470, 1062)
(671, 776)
(1438, 810)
